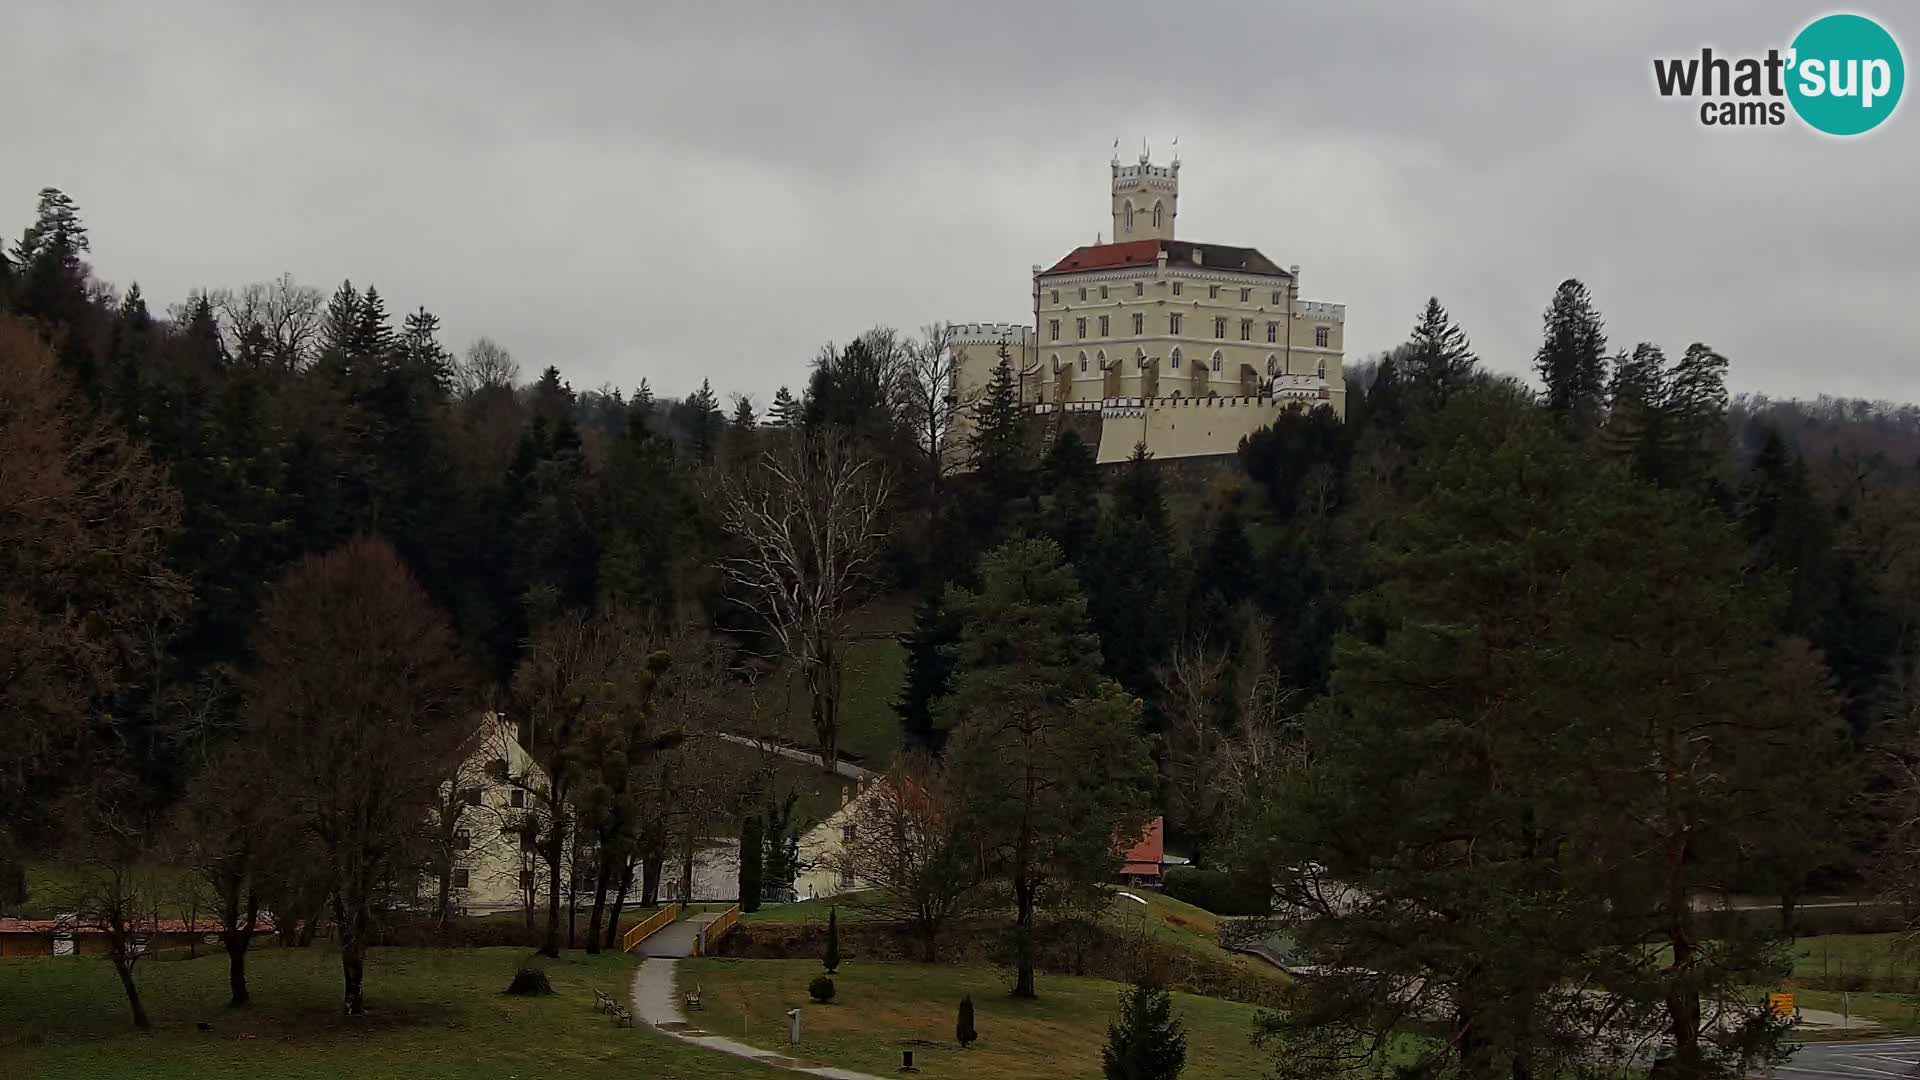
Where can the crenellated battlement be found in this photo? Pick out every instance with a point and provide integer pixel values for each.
(1315, 309)
(989, 333)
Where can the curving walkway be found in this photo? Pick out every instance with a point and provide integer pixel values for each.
(657, 1003)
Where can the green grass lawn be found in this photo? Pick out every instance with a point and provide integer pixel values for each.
(432, 1014)
(1854, 956)
(876, 669)
(877, 1006)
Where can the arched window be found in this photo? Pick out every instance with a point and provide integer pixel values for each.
(1099, 358)
(1173, 361)
(1083, 361)
(1216, 359)
(1156, 215)
(1129, 215)
(1320, 372)
(1056, 361)
(1140, 359)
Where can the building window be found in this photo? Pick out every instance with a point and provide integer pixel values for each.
(1139, 288)
(1273, 332)
(1139, 323)
(1176, 288)
(1216, 359)
(1129, 216)
(1320, 371)
(462, 840)
(460, 877)
(1056, 296)
(1174, 360)
(1246, 329)
(1083, 363)
(1103, 292)
(1103, 325)
(1083, 292)
(1140, 360)
(473, 796)
(1053, 329)
(1156, 215)
(847, 833)
(1276, 298)
(1213, 292)
(1320, 336)
(1220, 327)
(1080, 328)
(1173, 323)
(517, 797)
(1246, 295)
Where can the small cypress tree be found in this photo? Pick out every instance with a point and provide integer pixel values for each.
(1145, 1042)
(963, 1032)
(831, 961)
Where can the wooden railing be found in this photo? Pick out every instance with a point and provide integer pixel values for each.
(712, 933)
(640, 930)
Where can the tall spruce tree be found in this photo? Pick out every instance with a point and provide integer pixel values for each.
(1070, 480)
(705, 424)
(1145, 1041)
(997, 451)
(1439, 360)
(1572, 360)
(785, 411)
(936, 629)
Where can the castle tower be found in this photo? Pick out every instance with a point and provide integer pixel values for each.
(1146, 197)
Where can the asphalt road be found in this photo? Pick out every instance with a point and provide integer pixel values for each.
(1880, 1059)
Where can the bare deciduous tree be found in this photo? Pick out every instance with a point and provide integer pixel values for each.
(807, 524)
(285, 313)
(360, 706)
(116, 892)
(487, 365)
(935, 402)
(905, 838)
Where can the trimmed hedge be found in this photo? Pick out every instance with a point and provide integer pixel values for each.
(1218, 891)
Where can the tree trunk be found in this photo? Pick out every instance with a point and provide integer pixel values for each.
(124, 968)
(686, 872)
(1683, 999)
(237, 996)
(650, 869)
(619, 901)
(353, 953)
(1023, 918)
(444, 896)
(555, 848)
(824, 690)
(600, 875)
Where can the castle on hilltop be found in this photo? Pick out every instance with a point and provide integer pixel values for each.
(1187, 347)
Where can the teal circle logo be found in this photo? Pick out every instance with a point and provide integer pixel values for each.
(1845, 74)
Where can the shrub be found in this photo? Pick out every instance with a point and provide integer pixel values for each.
(530, 980)
(1146, 1041)
(963, 1032)
(831, 958)
(820, 989)
(1219, 891)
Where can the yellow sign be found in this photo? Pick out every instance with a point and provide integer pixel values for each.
(1781, 1004)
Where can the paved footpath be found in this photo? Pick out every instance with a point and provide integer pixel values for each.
(1880, 1059)
(675, 940)
(656, 1002)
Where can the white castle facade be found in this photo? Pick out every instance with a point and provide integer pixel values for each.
(1187, 347)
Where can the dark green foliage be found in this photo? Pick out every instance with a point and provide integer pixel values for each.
(853, 389)
(998, 452)
(1219, 891)
(1129, 577)
(704, 423)
(1439, 362)
(780, 830)
(1137, 493)
(830, 959)
(785, 411)
(1145, 1041)
(1070, 480)
(820, 989)
(1302, 459)
(1572, 359)
(963, 1031)
(929, 670)
(752, 856)
(1223, 576)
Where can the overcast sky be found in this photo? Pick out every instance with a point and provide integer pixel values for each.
(718, 189)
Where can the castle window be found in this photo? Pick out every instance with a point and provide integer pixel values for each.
(1053, 329)
(1083, 292)
(1103, 325)
(1056, 297)
(1156, 215)
(1320, 336)
(1276, 297)
(1140, 360)
(1173, 323)
(1056, 361)
(1083, 363)
(462, 840)
(1216, 359)
(1139, 288)
(1139, 323)
(1320, 370)
(1129, 215)
(1080, 328)
(1246, 329)
(461, 877)
(1176, 288)
(1246, 295)
(1220, 327)
(1103, 292)
(1213, 292)
(517, 797)
(1174, 360)
(1273, 332)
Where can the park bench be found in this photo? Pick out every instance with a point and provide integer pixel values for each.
(693, 999)
(620, 1014)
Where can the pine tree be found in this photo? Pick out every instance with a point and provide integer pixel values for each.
(1070, 478)
(704, 429)
(1439, 361)
(929, 670)
(743, 418)
(339, 322)
(830, 959)
(1146, 1041)
(372, 337)
(1695, 417)
(1636, 409)
(421, 353)
(998, 452)
(1572, 360)
(785, 411)
(963, 1031)
(1137, 495)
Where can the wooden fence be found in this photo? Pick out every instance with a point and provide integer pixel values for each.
(640, 930)
(713, 932)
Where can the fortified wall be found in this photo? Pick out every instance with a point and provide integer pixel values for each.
(1173, 427)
